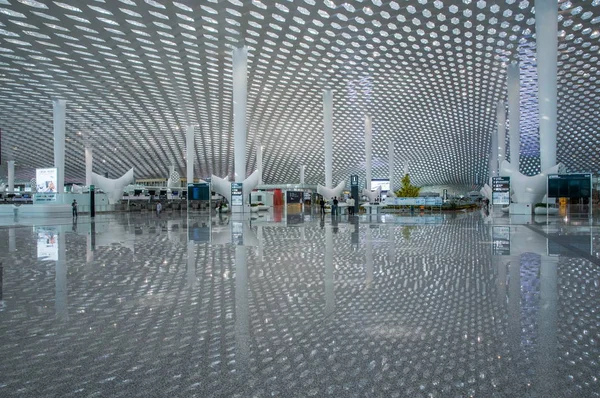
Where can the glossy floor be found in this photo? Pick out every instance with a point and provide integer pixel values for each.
(294, 305)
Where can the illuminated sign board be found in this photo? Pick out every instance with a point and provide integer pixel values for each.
(500, 190)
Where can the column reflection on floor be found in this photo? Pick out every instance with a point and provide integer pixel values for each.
(329, 271)
(60, 287)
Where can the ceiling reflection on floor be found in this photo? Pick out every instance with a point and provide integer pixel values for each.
(295, 305)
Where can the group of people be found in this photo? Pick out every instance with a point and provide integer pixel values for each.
(335, 205)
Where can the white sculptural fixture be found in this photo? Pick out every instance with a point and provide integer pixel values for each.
(326, 191)
(113, 188)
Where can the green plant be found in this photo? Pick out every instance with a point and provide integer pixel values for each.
(541, 205)
(407, 190)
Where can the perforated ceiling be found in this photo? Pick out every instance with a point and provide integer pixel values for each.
(136, 73)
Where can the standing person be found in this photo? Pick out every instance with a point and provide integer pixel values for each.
(350, 203)
(322, 203)
(158, 208)
(74, 208)
(335, 206)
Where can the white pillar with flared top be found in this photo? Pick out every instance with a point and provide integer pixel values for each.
(11, 175)
(190, 152)
(328, 131)
(514, 113)
(89, 161)
(302, 169)
(59, 111)
(391, 158)
(259, 162)
(501, 119)
(368, 151)
(546, 39)
(240, 88)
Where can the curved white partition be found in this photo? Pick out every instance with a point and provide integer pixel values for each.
(113, 188)
(526, 189)
(372, 195)
(486, 192)
(76, 189)
(221, 186)
(250, 183)
(329, 193)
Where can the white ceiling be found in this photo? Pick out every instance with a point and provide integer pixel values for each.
(135, 73)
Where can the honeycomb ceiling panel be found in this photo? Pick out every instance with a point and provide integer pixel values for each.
(136, 72)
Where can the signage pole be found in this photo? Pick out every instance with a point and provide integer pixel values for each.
(92, 201)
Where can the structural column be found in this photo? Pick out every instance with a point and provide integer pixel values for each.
(368, 150)
(546, 33)
(493, 164)
(328, 131)
(259, 162)
(302, 168)
(59, 108)
(514, 113)
(501, 118)
(89, 160)
(391, 156)
(240, 88)
(11, 175)
(190, 151)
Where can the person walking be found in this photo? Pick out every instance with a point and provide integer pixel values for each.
(350, 203)
(322, 203)
(334, 208)
(74, 208)
(158, 208)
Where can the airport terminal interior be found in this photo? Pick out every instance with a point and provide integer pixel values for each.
(309, 198)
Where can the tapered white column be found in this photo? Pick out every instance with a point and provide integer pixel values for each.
(89, 161)
(328, 131)
(493, 162)
(190, 153)
(501, 119)
(259, 162)
(406, 164)
(391, 158)
(60, 108)
(368, 150)
(546, 39)
(11, 175)
(514, 113)
(329, 274)
(240, 88)
(302, 168)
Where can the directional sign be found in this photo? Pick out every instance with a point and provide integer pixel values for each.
(500, 190)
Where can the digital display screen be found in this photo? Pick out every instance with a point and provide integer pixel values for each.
(294, 197)
(574, 186)
(500, 190)
(237, 194)
(384, 184)
(46, 180)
